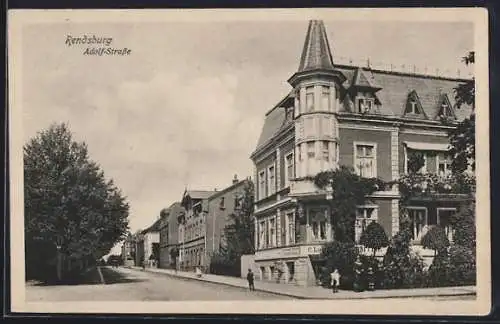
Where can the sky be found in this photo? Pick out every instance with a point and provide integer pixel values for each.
(186, 107)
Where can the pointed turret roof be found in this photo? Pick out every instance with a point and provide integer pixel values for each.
(316, 52)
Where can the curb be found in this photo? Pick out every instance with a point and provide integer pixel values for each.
(226, 284)
(465, 293)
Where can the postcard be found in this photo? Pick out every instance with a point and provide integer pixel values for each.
(270, 161)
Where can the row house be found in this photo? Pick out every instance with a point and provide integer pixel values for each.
(221, 205)
(370, 120)
(169, 231)
(191, 229)
(151, 244)
(128, 250)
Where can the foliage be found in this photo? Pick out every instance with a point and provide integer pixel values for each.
(463, 137)
(374, 237)
(416, 161)
(436, 239)
(402, 268)
(68, 202)
(238, 236)
(464, 223)
(462, 265)
(349, 191)
(438, 274)
(341, 256)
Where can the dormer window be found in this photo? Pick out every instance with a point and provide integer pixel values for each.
(364, 105)
(289, 113)
(412, 107)
(444, 108)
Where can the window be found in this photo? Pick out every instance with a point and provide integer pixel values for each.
(262, 234)
(325, 98)
(310, 150)
(444, 164)
(290, 234)
(365, 162)
(289, 113)
(289, 168)
(271, 180)
(364, 105)
(237, 201)
(412, 158)
(326, 151)
(262, 184)
(318, 224)
(222, 204)
(412, 107)
(444, 219)
(418, 221)
(300, 152)
(309, 99)
(364, 216)
(272, 232)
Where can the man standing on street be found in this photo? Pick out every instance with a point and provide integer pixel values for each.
(335, 280)
(250, 279)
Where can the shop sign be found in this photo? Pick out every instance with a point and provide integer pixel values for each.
(313, 249)
(278, 253)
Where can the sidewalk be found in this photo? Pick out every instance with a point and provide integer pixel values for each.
(317, 292)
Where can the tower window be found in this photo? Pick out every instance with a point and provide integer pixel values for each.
(310, 99)
(325, 98)
(326, 151)
(310, 150)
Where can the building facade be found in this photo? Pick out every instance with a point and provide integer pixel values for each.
(221, 205)
(169, 232)
(128, 250)
(191, 229)
(337, 115)
(151, 243)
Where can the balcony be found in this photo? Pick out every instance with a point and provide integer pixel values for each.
(304, 188)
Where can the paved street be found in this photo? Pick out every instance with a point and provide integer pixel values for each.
(132, 285)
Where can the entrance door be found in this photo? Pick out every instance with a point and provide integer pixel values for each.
(291, 271)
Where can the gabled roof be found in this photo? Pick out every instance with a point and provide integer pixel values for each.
(153, 228)
(395, 87)
(199, 194)
(361, 80)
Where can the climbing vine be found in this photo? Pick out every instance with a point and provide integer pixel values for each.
(349, 191)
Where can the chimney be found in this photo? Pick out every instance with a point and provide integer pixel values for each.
(235, 179)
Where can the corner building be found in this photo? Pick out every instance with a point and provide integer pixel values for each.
(335, 115)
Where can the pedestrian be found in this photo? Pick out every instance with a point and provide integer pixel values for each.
(335, 280)
(198, 272)
(250, 279)
(143, 264)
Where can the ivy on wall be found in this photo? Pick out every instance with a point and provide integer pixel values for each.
(348, 190)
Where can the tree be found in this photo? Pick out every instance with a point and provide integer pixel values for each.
(374, 237)
(239, 233)
(464, 223)
(71, 210)
(436, 239)
(462, 138)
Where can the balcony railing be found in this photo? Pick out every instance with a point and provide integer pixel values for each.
(304, 187)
